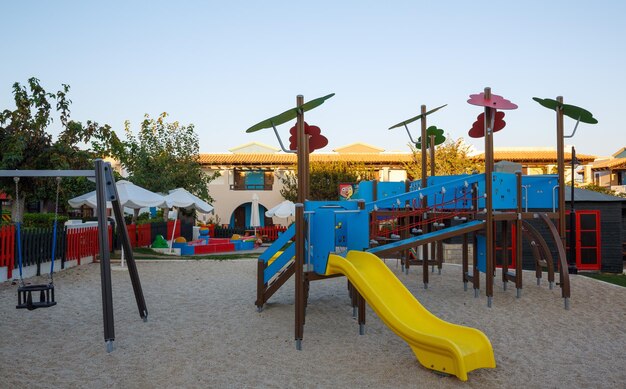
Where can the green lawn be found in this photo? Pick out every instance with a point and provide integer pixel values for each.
(617, 279)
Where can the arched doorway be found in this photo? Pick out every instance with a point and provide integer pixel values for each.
(240, 217)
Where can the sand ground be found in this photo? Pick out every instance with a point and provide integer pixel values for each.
(204, 332)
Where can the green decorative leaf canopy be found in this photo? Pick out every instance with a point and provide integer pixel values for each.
(289, 114)
(572, 111)
(411, 120)
(431, 131)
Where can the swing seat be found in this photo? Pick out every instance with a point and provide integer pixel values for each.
(25, 296)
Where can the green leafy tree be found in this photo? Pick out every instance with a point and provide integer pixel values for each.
(26, 144)
(451, 157)
(599, 189)
(324, 179)
(162, 156)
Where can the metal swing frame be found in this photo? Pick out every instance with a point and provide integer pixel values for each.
(105, 191)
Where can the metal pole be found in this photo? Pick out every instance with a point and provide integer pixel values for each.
(127, 250)
(105, 260)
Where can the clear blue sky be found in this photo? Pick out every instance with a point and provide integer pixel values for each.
(226, 65)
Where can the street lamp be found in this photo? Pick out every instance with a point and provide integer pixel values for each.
(571, 266)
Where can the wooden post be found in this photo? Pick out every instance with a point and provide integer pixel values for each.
(560, 156)
(425, 227)
(300, 250)
(475, 271)
(431, 141)
(490, 247)
(518, 236)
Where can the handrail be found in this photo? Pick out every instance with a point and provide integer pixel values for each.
(429, 190)
(279, 243)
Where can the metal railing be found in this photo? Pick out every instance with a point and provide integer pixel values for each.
(251, 187)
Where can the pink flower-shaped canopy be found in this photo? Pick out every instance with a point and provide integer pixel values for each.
(497, 102)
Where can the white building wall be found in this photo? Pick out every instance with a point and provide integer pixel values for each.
(227, 200)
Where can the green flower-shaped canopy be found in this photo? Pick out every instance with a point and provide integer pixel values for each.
(572, 111)
(289, 114)
(431, 131)
(411, 120)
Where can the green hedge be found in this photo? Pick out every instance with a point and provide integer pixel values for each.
(42, 220)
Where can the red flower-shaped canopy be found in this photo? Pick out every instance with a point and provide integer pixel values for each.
(478, 128)
(497, 102)
(316, 140)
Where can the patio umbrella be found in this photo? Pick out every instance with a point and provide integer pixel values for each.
(285, 209)
(130, 196)
(181, 198)
(255, 218)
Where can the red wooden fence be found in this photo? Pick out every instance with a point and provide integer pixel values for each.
(132, 234)
(83, 242)
(270, 233)
(144, 235)
(7, 248)
(170, 227)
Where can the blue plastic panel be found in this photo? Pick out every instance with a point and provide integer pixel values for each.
(450, 188)
(279, 243)
(539, 192)
(481, 251)
(332, 224)
(279, 263)
(388, 189)
(504, 191)
(365, 191)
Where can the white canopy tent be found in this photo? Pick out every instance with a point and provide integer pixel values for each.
(131, 196)
(181, 198)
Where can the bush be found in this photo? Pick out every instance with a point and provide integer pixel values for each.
(42, 220)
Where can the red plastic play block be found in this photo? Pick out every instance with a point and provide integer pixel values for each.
(205, 249)
(222, 247)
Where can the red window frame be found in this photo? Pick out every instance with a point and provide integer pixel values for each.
(579, 247)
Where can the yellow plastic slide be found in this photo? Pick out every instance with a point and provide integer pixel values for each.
(437, 344)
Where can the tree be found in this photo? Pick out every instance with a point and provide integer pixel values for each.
(162, 156)
(452, 157)
(26, 144)
(324, 179)
(598, 188)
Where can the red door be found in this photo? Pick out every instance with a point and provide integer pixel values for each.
(588, 254)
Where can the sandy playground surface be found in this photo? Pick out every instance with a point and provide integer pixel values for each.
(204, 332)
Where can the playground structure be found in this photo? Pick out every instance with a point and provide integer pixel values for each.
(330, 239)
(105, 191)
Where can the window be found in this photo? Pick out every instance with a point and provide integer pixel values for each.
(588, 255)
(252, 180)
